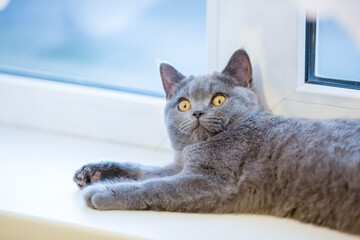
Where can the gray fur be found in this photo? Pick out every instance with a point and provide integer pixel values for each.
(240, 159)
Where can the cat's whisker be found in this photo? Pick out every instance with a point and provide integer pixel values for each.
(156, 149)
(186, 126)
(212, 122)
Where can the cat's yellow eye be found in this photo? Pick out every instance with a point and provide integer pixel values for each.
(218, 100)
(184, 105)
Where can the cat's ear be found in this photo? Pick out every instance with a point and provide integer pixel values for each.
(239, 68)
(170, 78)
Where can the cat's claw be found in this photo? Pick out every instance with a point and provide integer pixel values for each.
(85, 176)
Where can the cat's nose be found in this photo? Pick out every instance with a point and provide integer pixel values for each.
(198, 114)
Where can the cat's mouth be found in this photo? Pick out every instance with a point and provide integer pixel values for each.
(201, 133)
(203, 128)
(197, 125)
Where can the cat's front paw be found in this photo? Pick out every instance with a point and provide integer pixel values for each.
(86, 175)
(99, 197)
(115, 197)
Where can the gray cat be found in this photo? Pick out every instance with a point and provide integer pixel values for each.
(233, 157)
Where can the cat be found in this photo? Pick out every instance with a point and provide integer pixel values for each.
(232, 156)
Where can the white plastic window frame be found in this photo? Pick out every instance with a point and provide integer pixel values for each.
(82, 111)
(275, 41)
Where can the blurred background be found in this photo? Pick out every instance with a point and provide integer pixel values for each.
(118, 44)
(336, 51)
(109, 43)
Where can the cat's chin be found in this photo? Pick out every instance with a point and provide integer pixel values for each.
(201, 134)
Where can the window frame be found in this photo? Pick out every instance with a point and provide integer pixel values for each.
(82, 111)
(275, 42)
(73, 80)
(310, 62)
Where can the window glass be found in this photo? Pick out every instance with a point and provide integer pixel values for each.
(107, 43)
(336, 54)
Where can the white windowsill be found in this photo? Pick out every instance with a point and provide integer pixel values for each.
(39, 199)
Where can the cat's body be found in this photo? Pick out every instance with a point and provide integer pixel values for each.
(233, 157)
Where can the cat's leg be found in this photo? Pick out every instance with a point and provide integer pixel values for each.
(181, 192)
(96, 172)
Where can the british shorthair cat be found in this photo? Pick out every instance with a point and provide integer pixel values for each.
(231, 156)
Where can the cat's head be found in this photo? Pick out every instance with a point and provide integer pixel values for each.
(200, 107)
